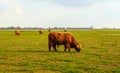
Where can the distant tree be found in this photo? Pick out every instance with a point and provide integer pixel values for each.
(12, 27)
(55, 27)
(18, 27)
(65, 29)
(91, 27)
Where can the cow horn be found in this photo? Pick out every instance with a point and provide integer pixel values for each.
(79, 46)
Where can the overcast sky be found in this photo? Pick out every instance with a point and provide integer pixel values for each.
(60, 13)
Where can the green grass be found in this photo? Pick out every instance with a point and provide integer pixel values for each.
(28, 53)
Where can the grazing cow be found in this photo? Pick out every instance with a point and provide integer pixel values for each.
(49, 30)
(17, 32)
(65, 30)
(40, 31)
(62, 38)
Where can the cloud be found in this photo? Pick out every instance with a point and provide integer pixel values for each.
(3, 1)
(11, 7)
(79, 3)
(19, 10)
(73, 3)
(61, 13)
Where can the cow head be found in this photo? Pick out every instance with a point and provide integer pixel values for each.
(78, 48)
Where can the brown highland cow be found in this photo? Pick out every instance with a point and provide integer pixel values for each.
(40, 31)
(62, 38)
(17, 32)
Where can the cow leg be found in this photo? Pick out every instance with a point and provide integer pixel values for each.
(54, 46)
(65, 47)
(49, 46)
(68, 46)
(69, 49)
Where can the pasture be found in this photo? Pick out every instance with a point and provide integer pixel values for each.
(28, 53)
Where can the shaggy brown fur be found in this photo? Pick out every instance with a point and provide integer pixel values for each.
(40, 31)
(17, 32)
(62, 38)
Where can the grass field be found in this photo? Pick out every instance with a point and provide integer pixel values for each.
(28, 53)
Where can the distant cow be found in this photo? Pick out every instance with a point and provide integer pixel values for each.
(40, 31)
(49, 30)
(62, 38)
(17, 32)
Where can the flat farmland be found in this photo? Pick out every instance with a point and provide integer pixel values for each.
(28, 53)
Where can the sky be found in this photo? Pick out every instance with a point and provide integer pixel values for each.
(60, 13)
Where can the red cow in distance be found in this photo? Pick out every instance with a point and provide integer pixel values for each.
(63, 38)
(17, 32)
(40, 31)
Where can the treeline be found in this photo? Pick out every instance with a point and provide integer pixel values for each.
(12, 27)
(35, 28)
(56, 28)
